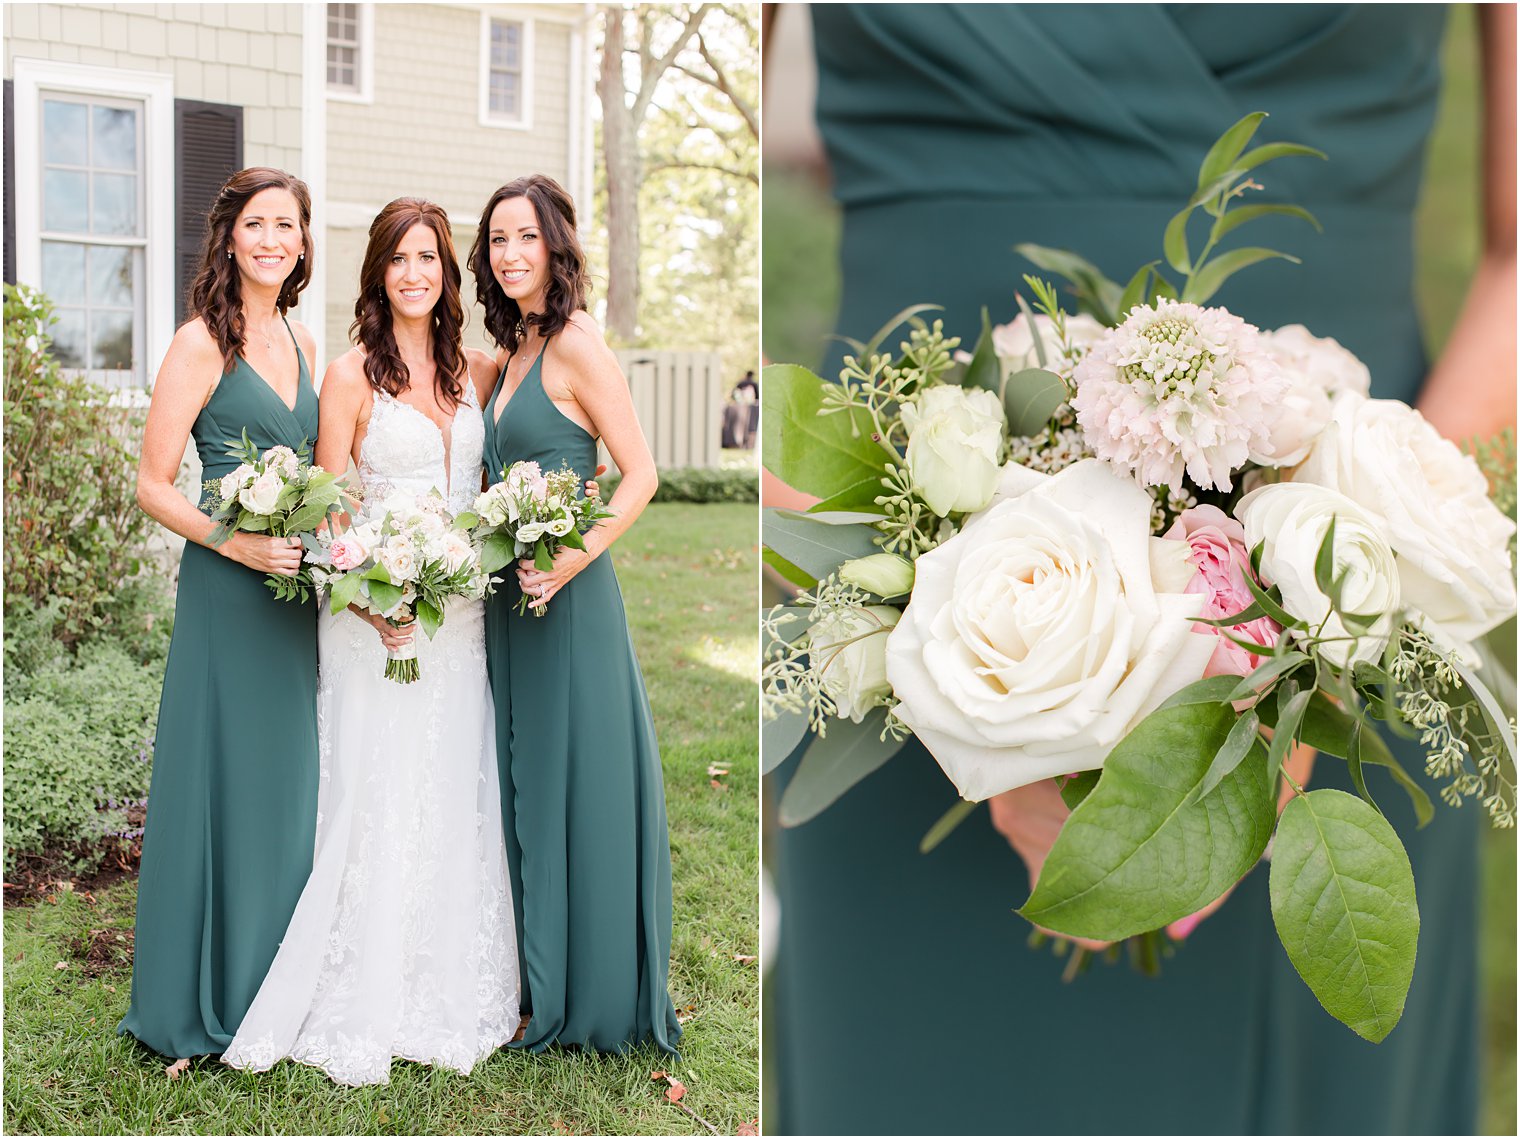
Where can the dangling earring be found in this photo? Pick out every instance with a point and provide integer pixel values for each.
(229, 255)
(301, 257)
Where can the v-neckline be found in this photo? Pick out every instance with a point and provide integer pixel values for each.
(501, 405)
(446, 439)
(300, 368)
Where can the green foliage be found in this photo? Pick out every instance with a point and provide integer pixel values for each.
(834, 763)
(696, 485)
(832, 456)
(73, 530)
(1343, 901)
(77, 738)
(1137, 853)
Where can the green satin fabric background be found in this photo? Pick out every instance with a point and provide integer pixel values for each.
(583, 797)
(905, 999)
(233, 803)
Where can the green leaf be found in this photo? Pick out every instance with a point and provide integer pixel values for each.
(1498, 722)
(985, 370)
(870, 347)
(1136, 854)
(344, 592)
(1226, 150)
(253, 524)
(543, 561)
(1266, 673)
(1269, 607)
(1327, 728)
(1324, 562)
(1160, 287)
(832, 456)
(384, 595)
(1174, 241)
(791, 573)
(833, 764)
(496, 553)
(1343, 901)
(1354, 764)
(1035, 336)
(1290, 710)
(573, 539)
(1030, 398)
(1274, 150)
(1209, 690)
(947, 823)
(842, 517)
(1231, 753)
(779, 738)
(466, 520)
(307, 518)
(817, 548)
(377, 572)
(1222, 268)
(1079, 787)
(1135, 292)
(1098, 294)
(429, 618)
(1238, 217)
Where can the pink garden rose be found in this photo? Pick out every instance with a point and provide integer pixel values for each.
(1219, 552)
(347, 553)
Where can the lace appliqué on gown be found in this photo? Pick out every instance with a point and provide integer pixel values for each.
(403, 943)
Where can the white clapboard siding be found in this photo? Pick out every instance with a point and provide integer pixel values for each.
(678, 397)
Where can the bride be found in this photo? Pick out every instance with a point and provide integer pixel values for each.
(403, 942)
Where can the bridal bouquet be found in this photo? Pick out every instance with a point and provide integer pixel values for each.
(405, 560)
(530, 512)
(1144, 548)
(280, 493)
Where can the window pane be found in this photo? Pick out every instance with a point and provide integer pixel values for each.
(68, 337)
(115, 207)
(111, 276)
(63, 201)
(63, 272)
(111, 336)
(114, 145)
(63, 132)
(504, 94)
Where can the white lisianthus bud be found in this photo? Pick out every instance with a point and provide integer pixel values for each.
(848, 650)
(955, 439)
(885, 575)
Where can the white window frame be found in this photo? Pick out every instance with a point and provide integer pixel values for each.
(366, 92)
(33, 78)
(487, 118)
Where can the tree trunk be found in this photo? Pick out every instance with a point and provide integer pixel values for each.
(620, 152)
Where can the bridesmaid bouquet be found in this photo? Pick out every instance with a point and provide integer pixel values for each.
(529, 512)
(280, 493)
(404, 561)
(1143, 548)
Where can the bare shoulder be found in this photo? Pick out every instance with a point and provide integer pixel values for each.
(483, 372)
(581, 346)
(194, 345)
(345, 376)
(306, 340)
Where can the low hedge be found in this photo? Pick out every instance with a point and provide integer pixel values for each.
(698, 484)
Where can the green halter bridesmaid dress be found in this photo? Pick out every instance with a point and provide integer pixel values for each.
(232, 807)
(582, 796)
(905, 999)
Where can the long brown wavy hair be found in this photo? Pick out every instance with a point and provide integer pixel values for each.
(216, 296)
(568, 285)
(372, 329)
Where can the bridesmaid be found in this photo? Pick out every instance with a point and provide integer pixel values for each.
(583, 801)
(232, 815)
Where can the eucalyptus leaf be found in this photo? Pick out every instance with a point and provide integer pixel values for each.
(1036, 337)
(832, 456)
(779, 738)
(1498, 722)
(1343, 900)
(1030, 398)
(1227, 148)
(1136, 854)
(798, 577)
(985, 370)
(818, 548)
(1208, 280)
(833, 763)
(840, 517)
(1290, 710)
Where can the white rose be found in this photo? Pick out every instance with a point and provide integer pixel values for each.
(491, 504)
(262, 494)
(1316, 361)
(1044, 631)
(402, 507)
(457, 551)
(1450, 541)
(283, 460)
(848, 650)
(399, 559)
(233, 480)
(955, 438)
(1291, 519)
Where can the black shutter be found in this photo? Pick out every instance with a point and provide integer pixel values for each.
(208, 137)
(10, 183)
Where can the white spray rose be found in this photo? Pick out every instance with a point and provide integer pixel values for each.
(457, 551)
(955, 439)
(1450, 541)
(849, 650)
(261, 495)
(233, 480)
(1043, 632)
(1291, 520)
(1316, 361)
(399, 558)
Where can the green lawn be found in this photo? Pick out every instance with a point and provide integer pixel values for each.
(688, 575)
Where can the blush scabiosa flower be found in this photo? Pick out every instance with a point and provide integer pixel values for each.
(1178, 388)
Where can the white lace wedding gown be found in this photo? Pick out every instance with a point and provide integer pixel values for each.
(403, 942)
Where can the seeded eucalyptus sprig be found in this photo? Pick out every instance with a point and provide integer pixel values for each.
(1224, 178)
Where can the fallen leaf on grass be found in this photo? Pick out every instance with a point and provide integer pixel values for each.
(61, 965)
(562, 1128)
(750, 1128)
(382, 1117)
(18, 957)
(676, 1090)
(745, 958)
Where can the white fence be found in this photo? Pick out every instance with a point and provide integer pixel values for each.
(679, 400)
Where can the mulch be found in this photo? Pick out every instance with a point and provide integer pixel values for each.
(35, 876)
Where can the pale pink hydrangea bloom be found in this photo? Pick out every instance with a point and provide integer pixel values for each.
(1178, 388)
(1218, 545)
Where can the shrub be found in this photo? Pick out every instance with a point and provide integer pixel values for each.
(77, 739)
(698, 484)
(73, 532)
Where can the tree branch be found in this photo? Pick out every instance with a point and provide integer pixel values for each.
(675, 164)
(719, 80)
(652, 69)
